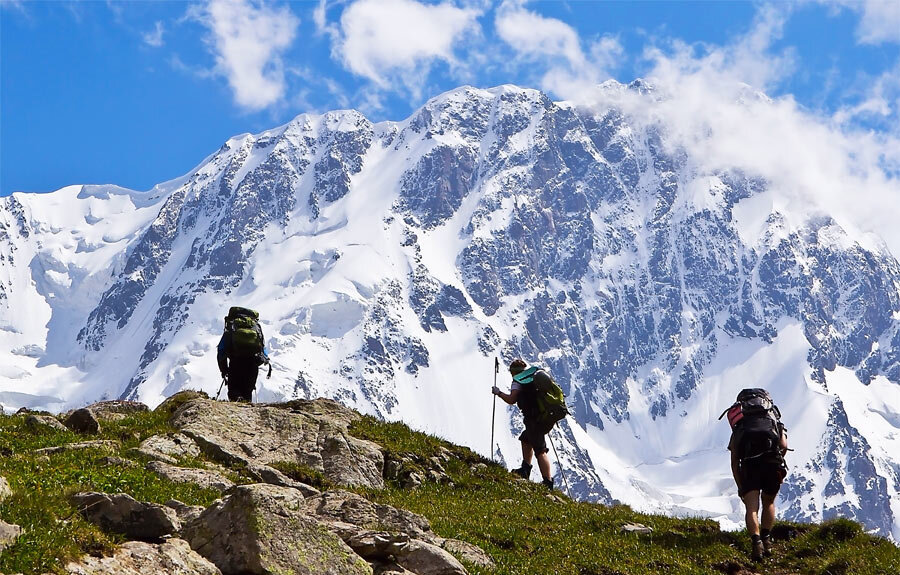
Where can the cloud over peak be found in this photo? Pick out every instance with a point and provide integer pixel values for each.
(248, 40)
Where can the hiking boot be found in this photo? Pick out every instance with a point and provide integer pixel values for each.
(767, 546)
(548, 483)
(758, 550)
(524, 471)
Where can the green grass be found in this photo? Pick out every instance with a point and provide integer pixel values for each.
(526, 532)
(523, 529)
(53, 533)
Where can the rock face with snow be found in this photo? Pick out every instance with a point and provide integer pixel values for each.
(391, 262)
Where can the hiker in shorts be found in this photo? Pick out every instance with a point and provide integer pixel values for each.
(533, 439)
(758, 467)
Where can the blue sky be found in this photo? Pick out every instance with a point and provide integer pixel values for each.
(138, 93)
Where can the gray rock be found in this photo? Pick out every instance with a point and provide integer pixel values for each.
(411, 480)
(44, 422)
(389, 568)
(83, 421)
(264, 529)
(346, 507)
(267, 474)
(121, 513)
(8, 534)
(116, 410)
(102, 444)
(202, 477)
(468, 552)
(174, 557)
(5, 489)
(186, 513)
(313, 433)
(168, 448)
(378, 545)
(426, 559)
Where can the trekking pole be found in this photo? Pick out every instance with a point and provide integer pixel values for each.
(494, 412)
(563, 475)
(220, 388)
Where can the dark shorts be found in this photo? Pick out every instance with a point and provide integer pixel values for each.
(534, 438)
(765, 476)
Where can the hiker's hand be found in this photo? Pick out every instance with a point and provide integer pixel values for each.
(495, 390)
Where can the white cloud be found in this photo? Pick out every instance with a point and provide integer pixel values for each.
(248, 40)
(388, 41)
(155, 38)
(879, 20)
(810, 161)
(557, 48)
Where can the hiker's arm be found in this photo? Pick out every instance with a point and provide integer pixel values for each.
(509, 398)
(783, 443)
(221, 356)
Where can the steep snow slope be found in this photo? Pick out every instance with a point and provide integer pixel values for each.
(390, 263)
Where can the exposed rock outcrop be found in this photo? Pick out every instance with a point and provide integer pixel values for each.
(264, 529)
(117, 409)
(174, 557)
(102, 444)
(313, 433)
(121, 513)
(5, 489)
(168, 448)
(8, 534)
(350, 508)
(202, 477)
(44, 422)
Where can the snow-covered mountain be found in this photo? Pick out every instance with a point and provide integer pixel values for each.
(391, 262)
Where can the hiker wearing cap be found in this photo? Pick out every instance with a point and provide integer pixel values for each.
(523, 392)
(240, 352)
(758, 444)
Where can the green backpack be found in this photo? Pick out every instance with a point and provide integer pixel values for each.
(246, 334)
(549, 398)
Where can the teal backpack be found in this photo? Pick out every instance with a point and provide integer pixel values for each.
(549, 398)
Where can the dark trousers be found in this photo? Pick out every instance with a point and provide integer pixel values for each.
(242, 380)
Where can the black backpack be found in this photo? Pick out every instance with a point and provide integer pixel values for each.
(756, 426)
(247, 341)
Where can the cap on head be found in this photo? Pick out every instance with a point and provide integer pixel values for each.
(517, 366)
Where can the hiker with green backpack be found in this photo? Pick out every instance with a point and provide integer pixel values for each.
(241, 351)
(758, 444)
(542, 404)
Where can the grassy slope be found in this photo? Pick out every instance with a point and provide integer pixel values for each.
(523, 529)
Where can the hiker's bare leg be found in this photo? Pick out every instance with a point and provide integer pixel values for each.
(751, 502)
(526, 453)
(768, 511)
(544, 465)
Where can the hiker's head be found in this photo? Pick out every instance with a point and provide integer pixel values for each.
(517, 367)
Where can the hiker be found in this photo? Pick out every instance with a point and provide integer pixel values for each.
(758, 444)
(524, 391)
(241, 351)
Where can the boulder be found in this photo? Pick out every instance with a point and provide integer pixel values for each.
(115, 461)
(264, 529)
(44, 422)
(83, 421)
(174, 557)
(313, 433)
(121, 513)
(8, 534)
(168, 448)
(5, 489)
(176, 400)
(103, 444)
(345, 507)
(426, 559)
(468, 552)
(116, 410)
(377, 545)
(186, 513)
(266, 474)
(202, 477)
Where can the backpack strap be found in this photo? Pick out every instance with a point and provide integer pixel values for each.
(527, 376)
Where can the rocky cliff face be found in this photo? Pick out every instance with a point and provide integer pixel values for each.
(392, 261)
